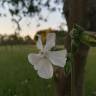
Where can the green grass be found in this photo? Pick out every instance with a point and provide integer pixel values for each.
(90, 76)
(18, 78)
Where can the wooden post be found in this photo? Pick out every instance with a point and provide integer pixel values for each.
(76, 13)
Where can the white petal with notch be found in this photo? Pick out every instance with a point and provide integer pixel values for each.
(50, 41)
(45, 69)
(39, 43)
(58, 58)
(34, 59)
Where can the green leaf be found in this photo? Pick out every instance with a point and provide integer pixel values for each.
(89, 39)
(76, 35)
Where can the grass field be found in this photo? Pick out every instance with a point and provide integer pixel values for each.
(18, 78)
(90, 76)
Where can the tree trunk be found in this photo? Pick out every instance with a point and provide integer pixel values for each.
(62, 82)
(83, 13)
(75, 13)
(77, 74)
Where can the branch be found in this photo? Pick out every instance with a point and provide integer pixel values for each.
(79, 35)
(89, 38)
(17, 23)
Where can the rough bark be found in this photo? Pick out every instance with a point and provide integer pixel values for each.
(83, 13)
(77, 15)
(78, 70)
(62, 82)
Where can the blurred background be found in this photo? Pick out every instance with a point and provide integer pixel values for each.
(19, 22)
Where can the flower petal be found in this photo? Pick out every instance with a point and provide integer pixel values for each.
(45, 69)
(34, 59)
(39, 43)
(50, 41)
(58, 58)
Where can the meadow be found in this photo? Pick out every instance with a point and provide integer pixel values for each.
(18, 78)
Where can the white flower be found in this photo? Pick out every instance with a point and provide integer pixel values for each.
(43, 61)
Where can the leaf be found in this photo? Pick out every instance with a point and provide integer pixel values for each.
(89, 39)
(78, 36)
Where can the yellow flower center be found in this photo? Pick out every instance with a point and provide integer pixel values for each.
(43, 34)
